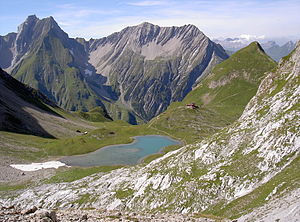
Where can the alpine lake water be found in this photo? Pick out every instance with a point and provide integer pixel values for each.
(124, 154)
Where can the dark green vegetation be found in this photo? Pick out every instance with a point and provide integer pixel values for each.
(221, 96)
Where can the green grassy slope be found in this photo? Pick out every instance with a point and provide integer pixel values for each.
(96, 114)
(221, 96)
(50, 68)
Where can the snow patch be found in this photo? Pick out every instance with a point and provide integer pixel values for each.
(38, 166)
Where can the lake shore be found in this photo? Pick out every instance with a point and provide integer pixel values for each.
(135, 152)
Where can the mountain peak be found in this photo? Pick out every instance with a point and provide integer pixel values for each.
(191, 26)
(32, 18)
(50, 19)
(255, 45)
(143, 24)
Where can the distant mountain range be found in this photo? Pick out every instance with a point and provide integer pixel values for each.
(133, 74)
(275, 51)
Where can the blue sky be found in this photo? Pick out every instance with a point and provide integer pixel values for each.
(216, 18)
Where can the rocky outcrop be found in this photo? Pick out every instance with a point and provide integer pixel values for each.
(13, 213)
(228, 174)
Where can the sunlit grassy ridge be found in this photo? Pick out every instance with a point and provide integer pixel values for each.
(221, 96)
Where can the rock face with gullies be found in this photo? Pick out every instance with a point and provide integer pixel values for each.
(16, 45)
(150, 66)
(242, 167)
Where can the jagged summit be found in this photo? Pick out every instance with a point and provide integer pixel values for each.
(31, 18)
(144, 24)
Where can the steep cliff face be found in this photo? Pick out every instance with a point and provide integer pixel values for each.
(228, 174)
(150, 66)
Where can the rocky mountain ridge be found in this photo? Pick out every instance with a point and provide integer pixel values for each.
(131, 74)
(228, 174)
(163, 63)
(44, 57)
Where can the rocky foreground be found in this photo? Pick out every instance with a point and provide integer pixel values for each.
(14, 213)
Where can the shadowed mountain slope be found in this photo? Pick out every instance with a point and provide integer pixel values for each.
(27, 111)
(15, 100)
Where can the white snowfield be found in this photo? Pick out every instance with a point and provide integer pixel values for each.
(38, 166)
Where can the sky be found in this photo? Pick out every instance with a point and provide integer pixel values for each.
(216, 18)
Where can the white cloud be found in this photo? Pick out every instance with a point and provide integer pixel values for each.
(252, 37)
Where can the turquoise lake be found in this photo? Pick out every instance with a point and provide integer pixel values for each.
(125, 154)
